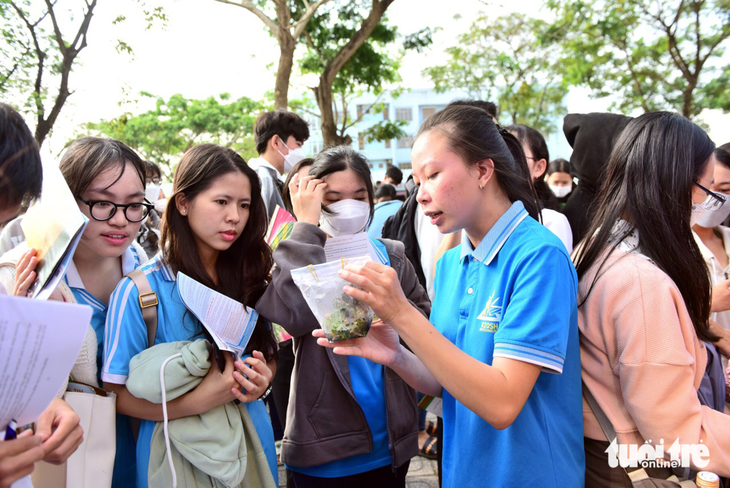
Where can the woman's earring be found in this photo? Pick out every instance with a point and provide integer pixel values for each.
(185, 211)
(480, 186)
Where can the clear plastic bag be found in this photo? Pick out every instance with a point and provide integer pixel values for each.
(340, 316)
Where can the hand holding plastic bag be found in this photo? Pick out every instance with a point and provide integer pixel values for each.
(340, 316)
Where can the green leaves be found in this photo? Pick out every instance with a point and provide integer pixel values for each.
(506, 60)
(648, 54)
(174, 125)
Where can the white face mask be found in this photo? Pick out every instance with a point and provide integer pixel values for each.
(295, 155)
(561, 191)
(152, 192)
(347, 217)
(711, 219)
(698, 211)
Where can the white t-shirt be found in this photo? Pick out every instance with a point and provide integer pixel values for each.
(719, 274)
(558, 224)
(429, 238)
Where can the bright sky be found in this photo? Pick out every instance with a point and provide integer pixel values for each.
(209, 48)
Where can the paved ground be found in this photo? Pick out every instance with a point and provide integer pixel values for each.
(421, 474)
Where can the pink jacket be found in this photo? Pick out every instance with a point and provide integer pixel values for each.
(643, 362)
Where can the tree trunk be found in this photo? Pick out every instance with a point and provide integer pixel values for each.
(287, 44)
(323, 92)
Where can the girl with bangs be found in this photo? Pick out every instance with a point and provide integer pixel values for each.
(108, 180)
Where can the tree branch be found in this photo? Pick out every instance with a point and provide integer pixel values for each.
(248, 5)
(343, 55)
(301, 24)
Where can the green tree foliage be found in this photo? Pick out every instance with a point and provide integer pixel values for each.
(367, 70)
(650, 54)
(37, 57)
(503, 61)
(163, 134)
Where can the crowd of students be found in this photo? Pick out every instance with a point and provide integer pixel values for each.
(502, 319)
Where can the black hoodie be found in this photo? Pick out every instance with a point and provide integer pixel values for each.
(592, 137)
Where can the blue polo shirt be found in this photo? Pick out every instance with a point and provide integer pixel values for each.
(127, 337)
(514, 296)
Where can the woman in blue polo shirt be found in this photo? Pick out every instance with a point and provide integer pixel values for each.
(502, 346)
(213, 231)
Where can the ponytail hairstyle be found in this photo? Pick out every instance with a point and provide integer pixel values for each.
(649, 180)
(472, 134)
(244, 269)
(538, 147)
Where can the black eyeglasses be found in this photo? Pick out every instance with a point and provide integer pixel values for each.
(713, 200)
(104, 210)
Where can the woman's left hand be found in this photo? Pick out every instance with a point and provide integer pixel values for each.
(257, 377)
(25, 274)
(382, 290)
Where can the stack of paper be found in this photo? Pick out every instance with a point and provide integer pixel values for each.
(280, 227)
(53, 227)
(39, 344)
(229, 322)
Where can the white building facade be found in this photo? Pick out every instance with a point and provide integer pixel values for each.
(412, 107)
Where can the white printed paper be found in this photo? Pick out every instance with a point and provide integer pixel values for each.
(53, 227)
(39, 344)
(229, 322)
(349, 247)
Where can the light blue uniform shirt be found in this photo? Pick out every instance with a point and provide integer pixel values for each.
(123, 476)
(368, 383)
(383, 210)
(514, 296)
(127, 337)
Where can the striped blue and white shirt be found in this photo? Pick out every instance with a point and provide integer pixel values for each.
(126, 336)
(130, 262)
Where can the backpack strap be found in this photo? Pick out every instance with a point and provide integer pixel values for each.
(148, 303)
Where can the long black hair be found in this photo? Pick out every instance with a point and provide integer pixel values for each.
(649, 182)
(244, 269)
(472, 134)
(538, 147)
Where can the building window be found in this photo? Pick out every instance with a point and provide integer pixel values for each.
(405, 166)
(404, 114)
(360, 110)
(386, 110)
(426, 112)
(405, 142)
(387, 144)
(361, 141)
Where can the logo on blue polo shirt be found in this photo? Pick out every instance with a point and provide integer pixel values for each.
(491, 315)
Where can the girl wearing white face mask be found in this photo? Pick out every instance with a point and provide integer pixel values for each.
(713, 240)
(350, 421)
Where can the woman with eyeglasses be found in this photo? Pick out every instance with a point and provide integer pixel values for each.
(644, 299)
(108, 180)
